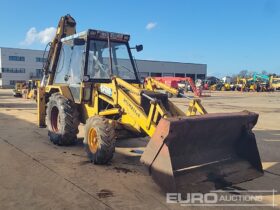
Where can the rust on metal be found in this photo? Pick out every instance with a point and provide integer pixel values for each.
(202, 153)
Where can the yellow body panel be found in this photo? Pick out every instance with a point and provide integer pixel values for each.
(124, 100)
(62, 89)
(41, 107)
(274, 83)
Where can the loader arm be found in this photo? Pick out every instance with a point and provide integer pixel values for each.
(126, 103)
(134, 115)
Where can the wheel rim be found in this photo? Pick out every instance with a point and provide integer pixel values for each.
(55, 119)
(92, 140)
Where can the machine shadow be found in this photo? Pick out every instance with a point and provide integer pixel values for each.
(18, 105)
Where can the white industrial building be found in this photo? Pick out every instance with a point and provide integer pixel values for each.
(24, 64)
(19, 65)
(171, 69)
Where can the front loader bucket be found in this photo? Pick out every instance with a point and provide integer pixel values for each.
(203, 153)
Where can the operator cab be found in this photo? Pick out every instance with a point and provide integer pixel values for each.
(95, 56)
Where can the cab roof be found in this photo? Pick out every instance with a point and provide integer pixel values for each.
(98, 34)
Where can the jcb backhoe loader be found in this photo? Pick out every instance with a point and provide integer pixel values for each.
(90, 78)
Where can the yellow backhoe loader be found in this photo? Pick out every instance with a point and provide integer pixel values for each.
(90, 78)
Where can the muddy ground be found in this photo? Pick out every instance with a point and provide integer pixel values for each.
(35, 174)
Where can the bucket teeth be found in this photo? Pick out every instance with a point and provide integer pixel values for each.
(202, 153)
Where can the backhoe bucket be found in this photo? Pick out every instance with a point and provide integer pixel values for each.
(203, 153)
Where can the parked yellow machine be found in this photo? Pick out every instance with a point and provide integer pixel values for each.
(220, 87)
(247, 85)
(31, 90)
(27, 90)
(90, 78)
(274, 83)
(17, 91)
(258, 83)
(240, 84)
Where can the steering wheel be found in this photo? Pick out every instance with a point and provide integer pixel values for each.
(101, 66)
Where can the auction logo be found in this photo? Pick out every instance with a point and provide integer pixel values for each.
(224, 198)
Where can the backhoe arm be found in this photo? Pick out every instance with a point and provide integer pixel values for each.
(66, 27)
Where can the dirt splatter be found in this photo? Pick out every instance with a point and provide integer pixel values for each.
(78, 155)
(104, 193)
(85, 162)
(123, 170)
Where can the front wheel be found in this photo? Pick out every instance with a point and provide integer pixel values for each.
(100, 139)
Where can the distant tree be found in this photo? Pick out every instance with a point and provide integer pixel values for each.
(234, 78)
(243, 73)
(264, 72)
(250, 73)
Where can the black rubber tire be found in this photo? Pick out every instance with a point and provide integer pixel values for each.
(106, 138)
(66, 133)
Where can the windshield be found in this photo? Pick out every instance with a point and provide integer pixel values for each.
(99, 60)
(276, 81)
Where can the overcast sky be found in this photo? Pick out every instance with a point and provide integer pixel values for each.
(227, 35)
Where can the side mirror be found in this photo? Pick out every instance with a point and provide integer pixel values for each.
(78, 41)
(139, 47)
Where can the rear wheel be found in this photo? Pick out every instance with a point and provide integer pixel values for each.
(62, 120)
(100, 139)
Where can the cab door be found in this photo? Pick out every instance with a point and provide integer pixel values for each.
(76, 70)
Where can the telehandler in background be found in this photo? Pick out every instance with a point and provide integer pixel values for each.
(90, 78)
